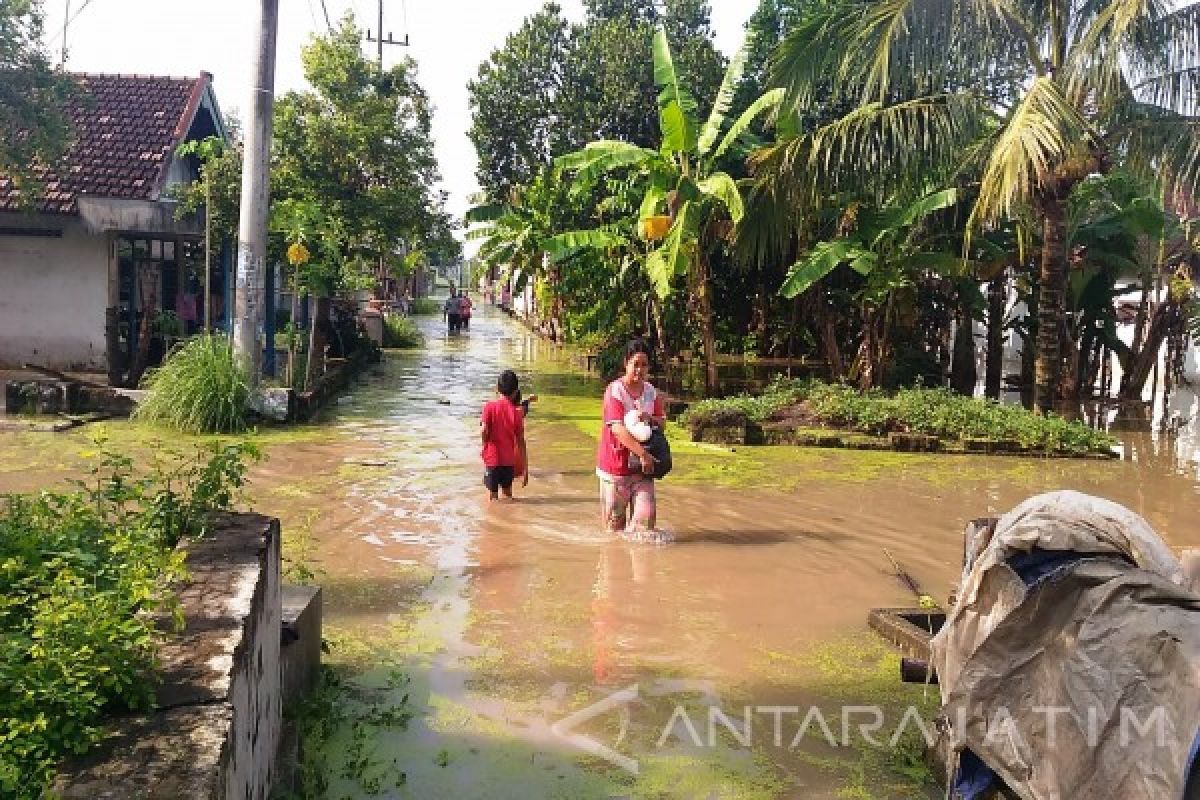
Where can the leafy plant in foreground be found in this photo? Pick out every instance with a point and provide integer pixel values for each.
(84, 575)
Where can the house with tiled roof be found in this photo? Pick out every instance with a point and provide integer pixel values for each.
(96, 245)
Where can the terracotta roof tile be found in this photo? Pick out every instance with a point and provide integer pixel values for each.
(125, 126)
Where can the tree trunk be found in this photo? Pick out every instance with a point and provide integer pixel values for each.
(994, 368)
(1051, 315)
(1136, 369)
(664, 350)
(963, 373)
(707, 330)
(762, 305)
(868, 362)
(317, 342)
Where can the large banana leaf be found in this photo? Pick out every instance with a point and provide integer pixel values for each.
(676, 109)
(654, 195)
(929, 204)
(564, 244)
(823, 259)
(489, 212)
(724, 188)
(729, 84)
(768, 101)
(600, 157)
(672, 258)
(659, 274)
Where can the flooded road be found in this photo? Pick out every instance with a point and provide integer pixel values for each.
(478, 638)
(493, 622)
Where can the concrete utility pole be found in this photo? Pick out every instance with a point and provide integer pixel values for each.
(380, 41)
(252, 225)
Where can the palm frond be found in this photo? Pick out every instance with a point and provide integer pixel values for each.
(1160, 146)
(914, 47)
(811, 52)
(1040, 133)
(885, 149)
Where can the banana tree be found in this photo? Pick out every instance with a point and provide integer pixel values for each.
(682, 189)
(886, 247)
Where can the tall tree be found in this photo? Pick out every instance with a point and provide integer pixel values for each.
(354, 161)
(514, 103)
(1097, 82)
(553, 87)
(33, 129)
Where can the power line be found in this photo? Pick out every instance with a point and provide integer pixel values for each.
(68, 18)
(325, 11)
(312, 14)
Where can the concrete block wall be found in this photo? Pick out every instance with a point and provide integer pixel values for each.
(217, 730)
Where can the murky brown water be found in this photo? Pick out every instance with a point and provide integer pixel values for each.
(491, 622)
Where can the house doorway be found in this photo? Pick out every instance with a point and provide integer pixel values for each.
(149, 283)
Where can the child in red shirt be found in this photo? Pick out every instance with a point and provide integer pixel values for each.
(502, 431)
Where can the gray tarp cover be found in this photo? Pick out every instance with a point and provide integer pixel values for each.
(1046, 679)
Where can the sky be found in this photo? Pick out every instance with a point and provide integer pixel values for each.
(448, 39)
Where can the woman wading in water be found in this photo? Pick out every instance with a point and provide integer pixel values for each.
(625, 469)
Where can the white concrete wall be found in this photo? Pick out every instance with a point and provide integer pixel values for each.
(53, 292)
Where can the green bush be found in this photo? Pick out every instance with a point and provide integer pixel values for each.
(83, 574)
(935, 412)
(778, 395)
(401, 332)
(424, 305)
(198, 389)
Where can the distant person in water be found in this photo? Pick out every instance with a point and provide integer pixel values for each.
(464, 310)
(502, 431)
(624, 466)
(451, 312)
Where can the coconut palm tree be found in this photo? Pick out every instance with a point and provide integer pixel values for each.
(1031, 95)
(688, 205)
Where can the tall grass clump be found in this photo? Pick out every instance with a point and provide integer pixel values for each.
(198, 389)
(401, 333)
(425, 305)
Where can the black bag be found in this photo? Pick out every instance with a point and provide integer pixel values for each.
(660, 450)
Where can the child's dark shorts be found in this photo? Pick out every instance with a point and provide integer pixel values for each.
(496, 478)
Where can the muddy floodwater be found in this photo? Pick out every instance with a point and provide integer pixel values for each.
(517, 651)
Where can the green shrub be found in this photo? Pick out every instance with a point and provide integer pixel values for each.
(779, 394)
(83, 574)
(198, 389)
(424, 305)
(935, 412)
(401, 332)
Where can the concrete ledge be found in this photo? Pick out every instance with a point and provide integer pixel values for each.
(218, 726)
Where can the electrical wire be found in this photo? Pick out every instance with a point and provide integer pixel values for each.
(58, 36)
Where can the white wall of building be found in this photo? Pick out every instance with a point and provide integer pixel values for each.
(53, 293)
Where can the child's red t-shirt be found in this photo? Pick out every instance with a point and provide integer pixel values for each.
(505, 425)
